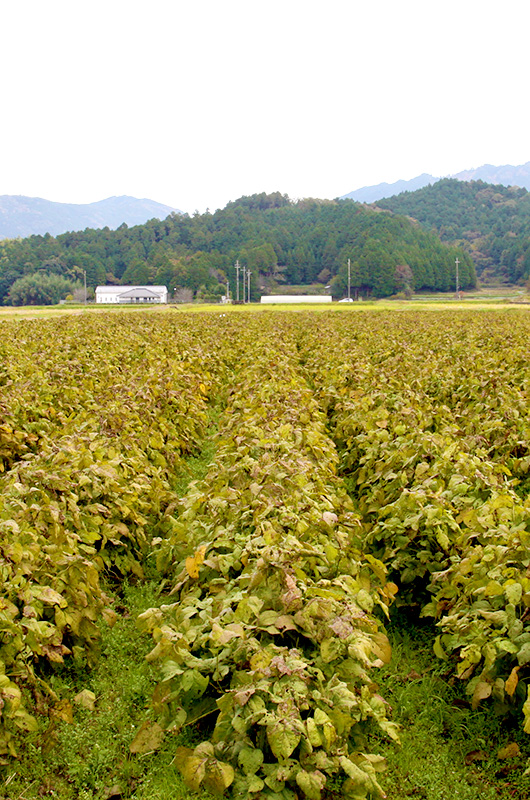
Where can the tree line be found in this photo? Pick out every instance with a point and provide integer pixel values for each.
(492, 223)
(280, 241)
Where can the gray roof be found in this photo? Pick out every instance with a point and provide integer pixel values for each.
(140, 291)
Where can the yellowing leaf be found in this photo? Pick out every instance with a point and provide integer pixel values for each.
(282, 738)
(109, 616)
(86, 699)
(354, 772)
(311, 783)
(219, 776)
(194, 562)
(511, 683)
(526, 712)
(148, 738)
(63, 710)
(514, 593)
(381, 647)
(221, 636)
(204, 749)
(48, 595)
(510, 751)
(254, 783)
(250, 759)
(260, 660)
(438, 649)
(493, 588)
(312, 732)
(193, 770)
(482, 691)
(25, 722)
(330, 649)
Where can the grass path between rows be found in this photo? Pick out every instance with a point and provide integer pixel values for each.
(448, 752)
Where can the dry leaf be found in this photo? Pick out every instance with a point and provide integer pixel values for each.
(63, 710)
(475, 755)
(86, 699)
(148, 738)
(510, 751)
(511, 684)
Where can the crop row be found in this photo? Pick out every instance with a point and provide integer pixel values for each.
(425, 442)
(108, 376)
(94, 492)
(272, 639)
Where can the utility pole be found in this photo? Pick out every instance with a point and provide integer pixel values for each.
(349, 277)
(237, 280)
(244, 283)
(227, 291)
(457, 262)
(249, 273)
(84, 271)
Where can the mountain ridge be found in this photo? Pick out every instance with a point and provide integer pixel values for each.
(506, 175)
(22, 216)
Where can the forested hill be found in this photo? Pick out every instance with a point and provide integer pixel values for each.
(492, 223)
(278, 240)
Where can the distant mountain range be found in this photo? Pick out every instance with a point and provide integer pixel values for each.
(23, 216)
(505, 176)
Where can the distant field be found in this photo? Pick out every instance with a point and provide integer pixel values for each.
(503, 297)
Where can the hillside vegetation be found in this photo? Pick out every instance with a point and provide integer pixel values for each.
(492, 223)
(278, 240)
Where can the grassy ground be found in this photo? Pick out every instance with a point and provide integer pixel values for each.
(448, 751)
(86, 755)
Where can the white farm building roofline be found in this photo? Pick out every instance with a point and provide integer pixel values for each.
(131, 294)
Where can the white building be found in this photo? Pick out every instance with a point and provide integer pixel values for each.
(296, 298)
(131, 294)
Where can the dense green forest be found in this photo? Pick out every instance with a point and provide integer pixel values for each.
(278, 240)
(492, 223)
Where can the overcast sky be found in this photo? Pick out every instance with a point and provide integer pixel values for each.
(194, 103)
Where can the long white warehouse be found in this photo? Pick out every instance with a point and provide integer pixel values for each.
(296, 298)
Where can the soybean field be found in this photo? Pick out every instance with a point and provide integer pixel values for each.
(291, 486)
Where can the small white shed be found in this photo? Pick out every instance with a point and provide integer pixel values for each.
(131, 294)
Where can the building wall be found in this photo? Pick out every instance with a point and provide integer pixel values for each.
(296, 298)
(105, 297)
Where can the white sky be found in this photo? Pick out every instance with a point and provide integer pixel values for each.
(194, 103)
